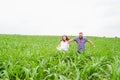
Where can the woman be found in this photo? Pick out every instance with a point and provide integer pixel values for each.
(64, 45)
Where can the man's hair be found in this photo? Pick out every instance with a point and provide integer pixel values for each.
(80, 32)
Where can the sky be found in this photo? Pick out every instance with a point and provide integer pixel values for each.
(59, 17)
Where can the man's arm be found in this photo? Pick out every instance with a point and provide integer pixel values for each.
(91, 43)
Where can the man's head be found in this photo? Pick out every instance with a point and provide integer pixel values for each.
(80, 35)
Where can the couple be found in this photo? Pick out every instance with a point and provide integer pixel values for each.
(80, 40)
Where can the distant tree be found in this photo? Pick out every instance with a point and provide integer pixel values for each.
(116, 37)
(104, 36)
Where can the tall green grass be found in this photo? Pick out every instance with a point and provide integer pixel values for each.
(36, 58)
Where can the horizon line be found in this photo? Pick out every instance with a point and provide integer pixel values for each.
(55, 35)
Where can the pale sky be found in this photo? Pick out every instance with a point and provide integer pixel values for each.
(58, 17)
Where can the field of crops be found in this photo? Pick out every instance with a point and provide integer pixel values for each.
(36, 58)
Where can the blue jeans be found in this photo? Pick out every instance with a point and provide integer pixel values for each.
(80, 51)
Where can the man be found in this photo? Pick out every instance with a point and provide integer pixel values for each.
(81, 42)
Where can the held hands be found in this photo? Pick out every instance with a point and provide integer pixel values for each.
(94, 46)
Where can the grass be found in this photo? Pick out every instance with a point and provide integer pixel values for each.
(36, 58)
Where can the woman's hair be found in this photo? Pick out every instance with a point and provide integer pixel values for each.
(66, 38)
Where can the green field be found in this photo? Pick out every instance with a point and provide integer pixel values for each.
(36, 58)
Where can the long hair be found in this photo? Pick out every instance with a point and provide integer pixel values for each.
(66, 38)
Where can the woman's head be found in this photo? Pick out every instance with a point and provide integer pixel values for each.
(65, 38)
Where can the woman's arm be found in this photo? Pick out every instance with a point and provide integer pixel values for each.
(71, 40)
(91, 43)
(59, 45)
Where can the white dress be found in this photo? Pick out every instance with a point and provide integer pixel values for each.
(63, 46)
